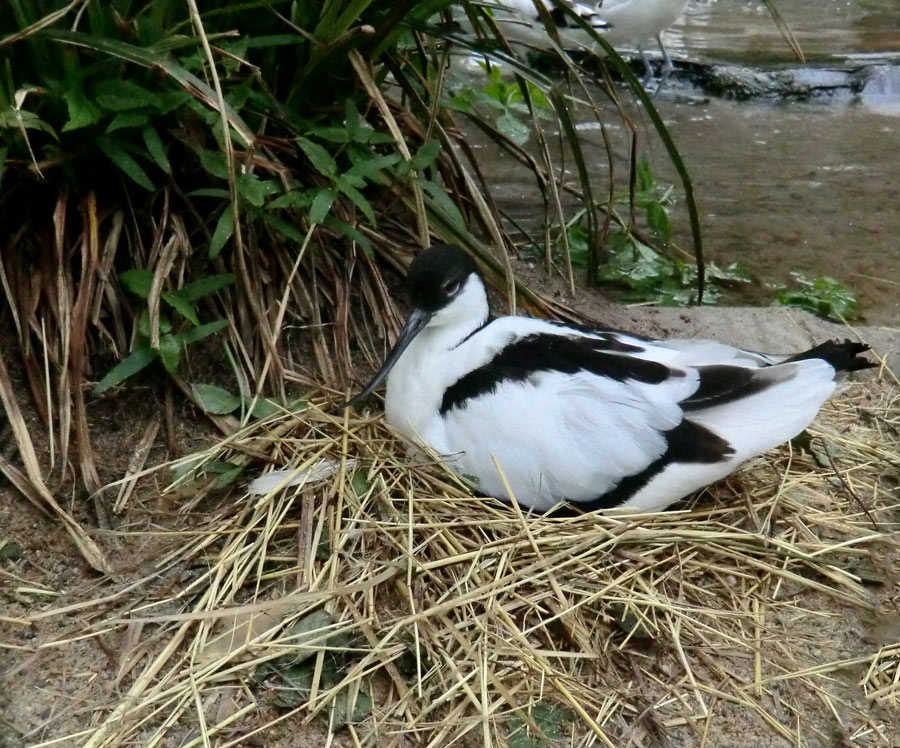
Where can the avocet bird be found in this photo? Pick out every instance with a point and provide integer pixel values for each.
(632, 22)
(623, 23)
(521, 22)
(598, 419)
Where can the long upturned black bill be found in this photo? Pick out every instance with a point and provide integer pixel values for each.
(415, 323)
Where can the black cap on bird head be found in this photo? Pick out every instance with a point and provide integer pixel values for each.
(434, 279)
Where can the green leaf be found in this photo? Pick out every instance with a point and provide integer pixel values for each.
(331, 134)
(227, 472)
(513, 128)
(127, 119)
(352, 180)
(372, 167)
(537, 95)
(645, 181)
(734, 272)
(274, 40)
(551, 721)
(169, 101)
(187, 467)
(138, 281)
(375, 137)
(265, 407)
(346, 712)
(165, 325)
(296, 199)
(351, 118)
(122, 95)
(294, 683)
(82, 113)
(441, 201)
(203, 331)
(320, 158)
(255, 190)
(217, 192)
(825, 296)
(205, 286)
(425, 154)
(357, 198)
(170, 351)
(214, 162)
(140, 358)
(121, 158)
(309, 634)
(283, 227)
(351, 232)
(223, 232)
(359, 482)
(464, 100)
(321, 204)
(17, 119)
(182, 306)
(155, 148)
(215, 400)
(658, 220)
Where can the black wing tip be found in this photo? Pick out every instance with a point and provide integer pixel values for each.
(846, 355)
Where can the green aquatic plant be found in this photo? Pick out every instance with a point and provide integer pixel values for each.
(504, 103)
(638, 268)
(824, 296)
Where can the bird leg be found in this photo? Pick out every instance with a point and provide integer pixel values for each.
(668, 67)
(648, 68)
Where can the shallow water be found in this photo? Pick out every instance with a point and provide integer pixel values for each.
(781, 186)
(796, 187)
(825, 29)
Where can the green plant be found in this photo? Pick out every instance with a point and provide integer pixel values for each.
(824, 296)
(640, 272)
(542, 725)
(289, 679)
(645, 275)
(506, 101)
(168, 337)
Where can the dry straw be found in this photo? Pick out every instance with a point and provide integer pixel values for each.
(386, 606)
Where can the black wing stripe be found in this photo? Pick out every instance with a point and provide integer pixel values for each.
(545, 352)
(688, 442)
(720, 384)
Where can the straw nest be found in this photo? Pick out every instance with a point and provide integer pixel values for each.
(379, 603)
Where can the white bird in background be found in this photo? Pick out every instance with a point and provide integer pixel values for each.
(623, 23)
(550, 413)
(632, 22)
(521, 22)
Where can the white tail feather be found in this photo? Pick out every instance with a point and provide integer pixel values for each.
(771, 417)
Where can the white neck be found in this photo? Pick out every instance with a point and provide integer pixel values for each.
(460, 318)
(417, 382)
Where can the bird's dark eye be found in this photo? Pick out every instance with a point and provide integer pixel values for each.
(451, 287)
